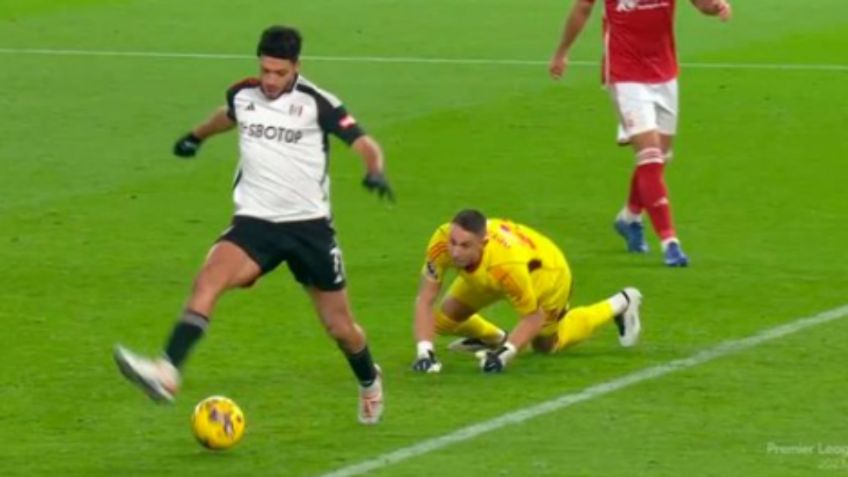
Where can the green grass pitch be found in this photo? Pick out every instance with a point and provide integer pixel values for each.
(102, 230)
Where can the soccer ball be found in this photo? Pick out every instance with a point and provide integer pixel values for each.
(217, 423)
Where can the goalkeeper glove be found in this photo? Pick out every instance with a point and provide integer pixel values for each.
(495, 361)
(379, 184)
(187, 145)
(426, 361)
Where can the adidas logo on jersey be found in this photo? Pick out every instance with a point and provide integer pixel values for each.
(250, 107)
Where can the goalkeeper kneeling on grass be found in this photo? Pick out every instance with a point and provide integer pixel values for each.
(498, 259)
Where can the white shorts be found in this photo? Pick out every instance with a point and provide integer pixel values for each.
(643, 107)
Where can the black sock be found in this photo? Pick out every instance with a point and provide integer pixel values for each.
(186, 332)
(363, 366)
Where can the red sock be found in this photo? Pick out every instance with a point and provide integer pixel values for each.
(634, 204)
(653, 192)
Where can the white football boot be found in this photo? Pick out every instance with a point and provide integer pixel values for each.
(371, 400)
(156, 377)
(628, 323)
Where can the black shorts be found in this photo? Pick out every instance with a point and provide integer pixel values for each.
(309, 247)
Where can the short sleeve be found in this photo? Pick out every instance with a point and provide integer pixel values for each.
(233, 90)
(340, 123)
(333, 117)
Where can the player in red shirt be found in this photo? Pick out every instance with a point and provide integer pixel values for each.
(640, 72)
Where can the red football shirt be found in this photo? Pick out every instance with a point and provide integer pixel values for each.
(639, 41)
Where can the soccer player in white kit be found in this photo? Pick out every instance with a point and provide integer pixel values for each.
(640, 72)
(282, 213)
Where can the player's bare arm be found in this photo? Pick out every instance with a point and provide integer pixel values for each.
(370, 152)
(375, 177)
(527, 328)
(218, 122)
(719, 8)
(425, 301)
(425, 325)
(574, 24)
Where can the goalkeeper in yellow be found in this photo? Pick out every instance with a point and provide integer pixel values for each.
(498, 259)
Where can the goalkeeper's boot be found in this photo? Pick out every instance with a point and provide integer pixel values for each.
(633, 234)
(158, 378)
(673, 255)
(371, 400)
(628, 323)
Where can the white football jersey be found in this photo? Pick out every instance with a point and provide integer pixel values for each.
(282, 174)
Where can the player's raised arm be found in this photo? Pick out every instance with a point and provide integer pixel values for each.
(220, 121)
(375, 176)
(719, 8)
(574, 24)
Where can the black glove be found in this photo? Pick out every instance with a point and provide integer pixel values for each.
(495, 361)
(427, 363)
(187, 145)
(379, 184)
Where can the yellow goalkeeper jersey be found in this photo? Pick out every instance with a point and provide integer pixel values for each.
(518, 263)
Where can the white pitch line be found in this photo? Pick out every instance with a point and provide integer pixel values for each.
(406, 59)
(567, 400)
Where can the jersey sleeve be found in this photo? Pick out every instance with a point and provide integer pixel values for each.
(337, 121)
(514, 282)
(233, 90)
(333, 118)
(438, 258)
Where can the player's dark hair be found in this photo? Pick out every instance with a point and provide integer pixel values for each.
(471, 220)
(280, 42)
